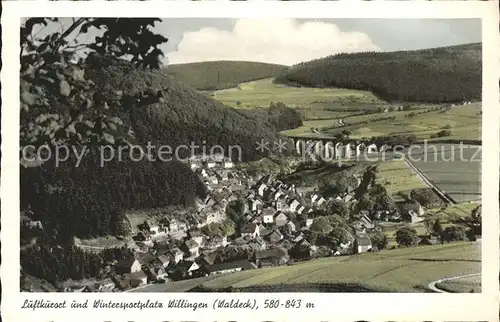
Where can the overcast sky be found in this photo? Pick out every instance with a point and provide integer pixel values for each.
(290, 41)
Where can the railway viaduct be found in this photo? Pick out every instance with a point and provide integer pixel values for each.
(329, 149)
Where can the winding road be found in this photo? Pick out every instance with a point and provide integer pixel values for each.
(432, 285)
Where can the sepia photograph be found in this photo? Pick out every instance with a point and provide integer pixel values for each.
(250, 155)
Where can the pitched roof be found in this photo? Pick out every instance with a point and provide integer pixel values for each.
(244, 264)
(139, 274)
(270, 211)
(363, 239)
(164, 259)
(191, 243)
(276, 252)
(126, 262)
(249, 228)
(195, 233)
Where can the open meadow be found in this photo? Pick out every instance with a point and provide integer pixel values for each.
(464, 123)
(454, 169)
(392, 270)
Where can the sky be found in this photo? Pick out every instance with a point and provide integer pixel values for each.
(291, 41)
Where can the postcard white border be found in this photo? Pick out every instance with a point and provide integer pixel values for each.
(329, 306)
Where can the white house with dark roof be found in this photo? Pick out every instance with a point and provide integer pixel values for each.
(294, 205)
(362, 243)
(256, 205)
(250, 230)
(280, 219)
(267, 215)
(176, 254)
(281, 204)
(261, 189)
(191, 247)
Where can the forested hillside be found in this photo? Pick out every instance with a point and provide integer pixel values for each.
(89, 200)
(447, 74)
(213, 75)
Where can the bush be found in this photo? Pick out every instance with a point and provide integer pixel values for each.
(444, 133)
(426, 197)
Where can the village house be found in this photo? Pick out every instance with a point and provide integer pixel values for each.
(255, 220)
(281, 204)
(267, 215)
(292, 226)
(176, 254)
(187, 268)
(362, 243)
(280, 219)
(206, 259)
(221, 176)
(413, 206)
(366, 222)
(275, 236)
(250, 230)
(257, 244)
(348, 198)
(134, 279)
(261, 190)
(217, 241)
(196, 235)
(156, 273)
(163, 261)
(105, 285)
(150, 227)
(212, 180)
(271, 257)
(128, 265)
(210, 164)
(317, 199)
(256, 205)
(307, 221)
(294, 204)
(229, 267)
(191, 247)
(27, 221)
(204, 173)
(227, 164)
(411, 217)
(176, 228)
(143, 236)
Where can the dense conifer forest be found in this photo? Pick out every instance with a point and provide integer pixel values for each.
(438, 75)
(212, 75)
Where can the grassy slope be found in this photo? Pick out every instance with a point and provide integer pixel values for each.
(464, 123)
(396, 177)
(446, 74)
(203, 75)
(393, 270)
(261, 92)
